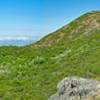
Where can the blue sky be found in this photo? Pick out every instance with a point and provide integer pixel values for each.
(58, 13)
(40, 17)
(21, 17)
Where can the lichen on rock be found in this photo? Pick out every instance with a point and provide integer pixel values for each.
(76, 88)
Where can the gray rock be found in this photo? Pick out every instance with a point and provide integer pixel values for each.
(53, 97)
(75, 88)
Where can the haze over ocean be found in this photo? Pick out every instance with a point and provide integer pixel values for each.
(20, 21)
(18, 40)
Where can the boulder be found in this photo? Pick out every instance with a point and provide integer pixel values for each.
(76, 88)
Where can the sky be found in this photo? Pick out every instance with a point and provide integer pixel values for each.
(21, 17)
(58, 13)
(40, 17)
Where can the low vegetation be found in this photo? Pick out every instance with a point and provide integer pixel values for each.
(32, 72)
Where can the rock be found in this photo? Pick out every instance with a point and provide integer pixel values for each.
(53, 97)
(76, 88)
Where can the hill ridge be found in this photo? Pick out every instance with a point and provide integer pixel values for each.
(88, 23)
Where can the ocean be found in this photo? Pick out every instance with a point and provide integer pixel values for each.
(17, 41)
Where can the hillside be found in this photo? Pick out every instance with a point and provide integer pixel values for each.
(86, 24)
(32, 72)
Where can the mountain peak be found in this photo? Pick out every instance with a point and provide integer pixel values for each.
(94, 11)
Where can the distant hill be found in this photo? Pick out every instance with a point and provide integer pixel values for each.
(32, 72)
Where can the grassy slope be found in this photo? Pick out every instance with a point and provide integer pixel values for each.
(87, 24)
(33, 73)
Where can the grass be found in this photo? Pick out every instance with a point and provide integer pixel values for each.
(32, 74)
(29, 73)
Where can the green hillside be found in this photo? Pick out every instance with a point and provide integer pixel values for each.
(32, 72)
(86, 24)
